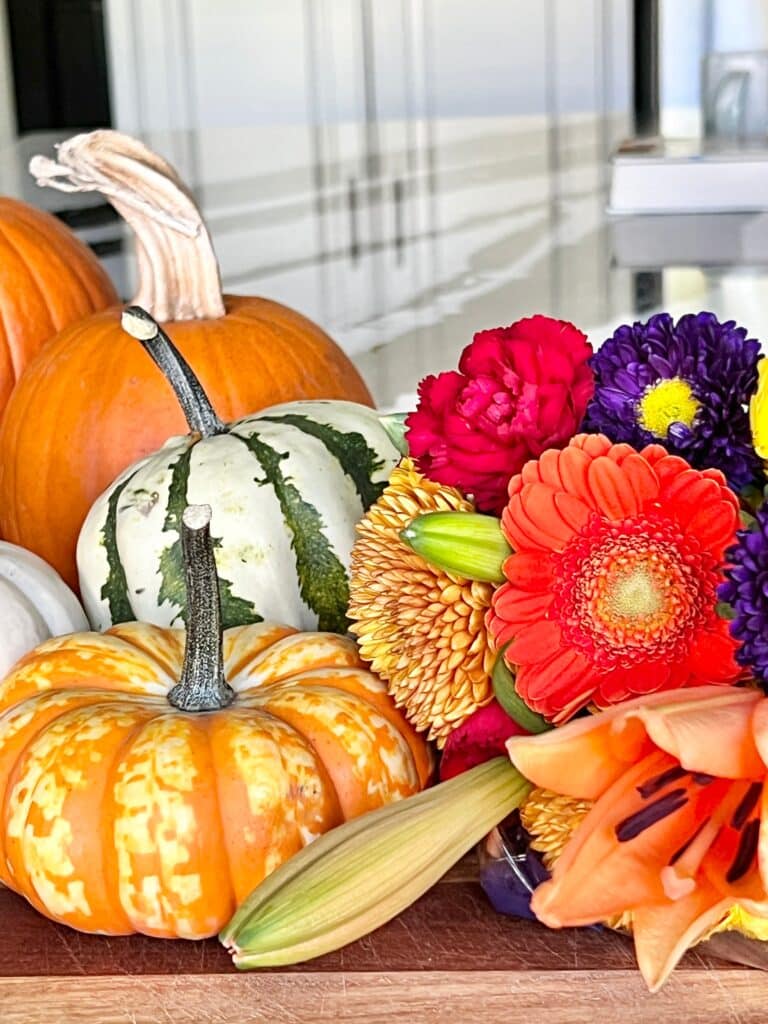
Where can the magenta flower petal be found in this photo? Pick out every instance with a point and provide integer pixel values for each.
(519, 390)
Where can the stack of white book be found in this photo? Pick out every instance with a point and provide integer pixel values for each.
(667, 176)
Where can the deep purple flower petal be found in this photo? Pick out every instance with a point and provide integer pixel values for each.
(746, 591)
(719, 363)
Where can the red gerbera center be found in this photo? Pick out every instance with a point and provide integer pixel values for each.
(611, 590)
(634, 587)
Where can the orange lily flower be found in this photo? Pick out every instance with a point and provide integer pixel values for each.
(678, 834)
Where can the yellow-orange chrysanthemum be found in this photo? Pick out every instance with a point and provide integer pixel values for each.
(422, 629)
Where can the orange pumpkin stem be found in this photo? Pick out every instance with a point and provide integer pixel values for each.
(202, 686)
(178, 272)
(199, 413)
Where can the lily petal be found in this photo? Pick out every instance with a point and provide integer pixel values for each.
(614, 860)
(760, 728)
(586, 756)
(664, 932)
(710, 732)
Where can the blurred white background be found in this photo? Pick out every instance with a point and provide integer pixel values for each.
(403, 171)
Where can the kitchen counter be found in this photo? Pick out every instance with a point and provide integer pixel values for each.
(469, 225)
(447, 958)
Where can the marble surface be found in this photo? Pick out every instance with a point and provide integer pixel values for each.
(457, 226)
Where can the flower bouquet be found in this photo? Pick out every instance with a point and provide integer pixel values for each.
(564, 584)
(554, 571)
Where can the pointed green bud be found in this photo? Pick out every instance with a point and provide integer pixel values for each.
(464, 543)
(394, 424)
(747, 520)
(362, 874)
(725, 611)
(505, 691)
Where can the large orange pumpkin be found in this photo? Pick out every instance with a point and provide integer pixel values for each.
(48, 280)
(135, 802)
(92, 403)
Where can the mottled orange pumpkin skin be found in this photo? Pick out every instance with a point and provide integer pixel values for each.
(122, 814)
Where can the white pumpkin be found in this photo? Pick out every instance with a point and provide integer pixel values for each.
(35, 604)
(286, 487)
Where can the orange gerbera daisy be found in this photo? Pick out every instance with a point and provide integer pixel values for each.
(611, 590)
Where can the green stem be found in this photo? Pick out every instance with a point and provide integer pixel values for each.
(198, 411)
(505, 691)
(202, 686)
(394, 424)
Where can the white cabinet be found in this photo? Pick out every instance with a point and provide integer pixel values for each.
(378, 164)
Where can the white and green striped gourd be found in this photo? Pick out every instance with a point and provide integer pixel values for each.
(286, 487)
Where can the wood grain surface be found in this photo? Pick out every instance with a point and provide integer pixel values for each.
(448, 958)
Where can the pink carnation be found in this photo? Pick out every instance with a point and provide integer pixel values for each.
(518, 391)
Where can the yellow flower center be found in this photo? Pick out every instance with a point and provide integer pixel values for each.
(758, 411)
(670, 401)
(635, 594)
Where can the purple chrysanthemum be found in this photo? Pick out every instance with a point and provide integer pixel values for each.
(746, 591)
(685, 385)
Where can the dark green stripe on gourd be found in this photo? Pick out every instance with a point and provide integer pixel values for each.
(172, 588)
(323, 583)
(115, 588)
(322, 577)
(358, 460)
(235, 611)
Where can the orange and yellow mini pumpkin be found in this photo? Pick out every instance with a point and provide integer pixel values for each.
(150, 779)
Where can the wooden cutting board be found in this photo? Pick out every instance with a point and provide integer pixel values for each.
(449, 958)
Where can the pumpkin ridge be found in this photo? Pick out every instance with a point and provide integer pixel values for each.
(294, 645)
(144, 640)
(33, 277)
(218, 776)
(72, 257)
(328, 592)
(330, 682)
(15, 776)
(218, 727)
(11, 348)
(83, 301)
(109, 647)
(341, 763)
(261, 708)
(12, 775)
(19, 862)
(107, 820)
(13, 340)
(236, 668)
(149, 744)
(358, 461)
